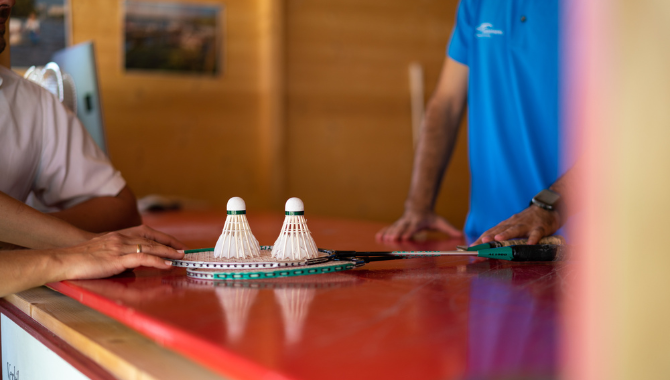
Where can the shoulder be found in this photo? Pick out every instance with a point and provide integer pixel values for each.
(470, 4)
(20, 90)
(468, 10)
(33, 107)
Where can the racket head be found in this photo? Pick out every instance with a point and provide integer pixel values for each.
(218, 274)
(204, 259)
(201, 264)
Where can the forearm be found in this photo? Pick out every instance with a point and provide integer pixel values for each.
(438, 137)
(27, 269)
(566, 187)
(26, 227)
(103, 214)
(434, 151)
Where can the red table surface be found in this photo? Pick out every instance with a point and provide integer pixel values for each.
(428, 318)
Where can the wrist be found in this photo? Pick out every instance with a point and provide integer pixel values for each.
(562, 206)
(45, 266)
(85, 236)
(414, 207)
(55, 265)
(549, 214)
(74, 236)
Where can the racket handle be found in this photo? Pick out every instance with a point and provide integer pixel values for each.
(541, 252)
(347, 253)
(552, 240)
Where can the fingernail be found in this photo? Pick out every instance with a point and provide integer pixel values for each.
(168, 262)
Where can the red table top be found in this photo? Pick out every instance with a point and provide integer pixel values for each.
(428, 318)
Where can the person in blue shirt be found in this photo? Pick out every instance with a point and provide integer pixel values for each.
(502, 63)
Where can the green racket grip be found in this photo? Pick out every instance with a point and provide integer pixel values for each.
(540, 252)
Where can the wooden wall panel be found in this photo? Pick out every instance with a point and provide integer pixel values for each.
(349, 137)
(181, 134)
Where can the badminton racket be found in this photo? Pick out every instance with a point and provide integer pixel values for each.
(200, 263)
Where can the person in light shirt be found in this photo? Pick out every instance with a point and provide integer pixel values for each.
(45, 151)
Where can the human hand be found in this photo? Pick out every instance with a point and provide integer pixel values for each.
(111, 254)
(533, 222)
(149, 233)
(412, 222)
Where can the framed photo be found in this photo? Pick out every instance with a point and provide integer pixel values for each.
(37, 28)
(172, 37)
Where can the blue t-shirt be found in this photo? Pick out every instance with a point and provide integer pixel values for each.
(511, 50)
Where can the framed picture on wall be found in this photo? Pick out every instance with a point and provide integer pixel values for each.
(172, 38)
(37, 29)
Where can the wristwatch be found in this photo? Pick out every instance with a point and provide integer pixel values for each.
(547, 199)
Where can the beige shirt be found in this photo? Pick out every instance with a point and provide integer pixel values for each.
(44, 149)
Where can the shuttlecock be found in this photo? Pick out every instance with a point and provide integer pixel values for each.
(236, 240)
(295, 242)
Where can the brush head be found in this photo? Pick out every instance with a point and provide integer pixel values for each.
(236, 204)
(295, 205)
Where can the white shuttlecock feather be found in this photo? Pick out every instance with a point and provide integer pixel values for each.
(236, 240)
(295, 242)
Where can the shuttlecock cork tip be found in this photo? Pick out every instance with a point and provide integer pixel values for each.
(236, 205)
(295, 206)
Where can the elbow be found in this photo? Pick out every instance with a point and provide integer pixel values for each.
(131, 217)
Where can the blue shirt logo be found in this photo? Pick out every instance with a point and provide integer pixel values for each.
(486, 30)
